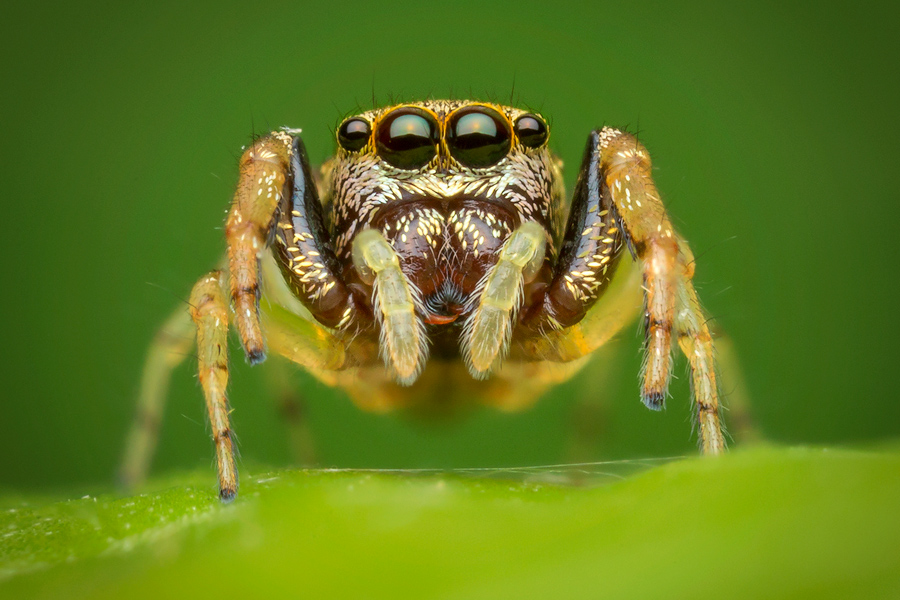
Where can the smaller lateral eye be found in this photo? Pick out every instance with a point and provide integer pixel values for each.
(353, 134)
(531, 131)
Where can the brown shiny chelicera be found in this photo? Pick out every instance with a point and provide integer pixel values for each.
(435, 260)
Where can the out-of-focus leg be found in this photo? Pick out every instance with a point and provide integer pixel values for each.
(590, 411)
(291, 404)
(742, 426)
(169, 348)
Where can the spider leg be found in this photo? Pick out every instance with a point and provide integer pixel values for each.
(593, 293)
(589, 416)
(209, 311)
(616, 202)
(667, 264)
(696, 343)
(264, 170)
(590, 252)
(276, 193)
(742, 426)
(275, 183)
(291, 403)
(169, 348)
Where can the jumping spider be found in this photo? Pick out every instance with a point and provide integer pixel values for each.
(439, 228)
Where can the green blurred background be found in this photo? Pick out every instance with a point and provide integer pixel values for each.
(774, 135)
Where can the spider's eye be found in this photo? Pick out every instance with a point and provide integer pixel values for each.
(353, 134)
(531, 131)
(478, 136)
(407, 138)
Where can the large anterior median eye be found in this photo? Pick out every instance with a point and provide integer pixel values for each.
(478, 136)
(407, 138)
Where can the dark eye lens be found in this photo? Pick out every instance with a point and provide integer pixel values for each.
(407, 138)
(531, 131)
(353, 134)
(478, 136)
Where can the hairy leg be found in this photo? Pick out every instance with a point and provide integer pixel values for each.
(210, 314)
(264, 170)
(617, 201)
(670, 299)
(696, 344)
(276, 199)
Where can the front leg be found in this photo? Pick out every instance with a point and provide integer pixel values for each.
(668, 266)
(276, 187)
(616, 202)
(263, 181)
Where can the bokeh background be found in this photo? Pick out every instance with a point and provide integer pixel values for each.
(774, 131)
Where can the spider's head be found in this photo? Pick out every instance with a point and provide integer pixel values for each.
(446, 182)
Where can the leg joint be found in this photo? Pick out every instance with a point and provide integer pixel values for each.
(223, 435)
(653, 322)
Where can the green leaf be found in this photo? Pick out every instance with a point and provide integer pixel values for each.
(761, 523)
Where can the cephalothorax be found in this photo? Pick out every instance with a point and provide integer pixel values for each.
(435, 261)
